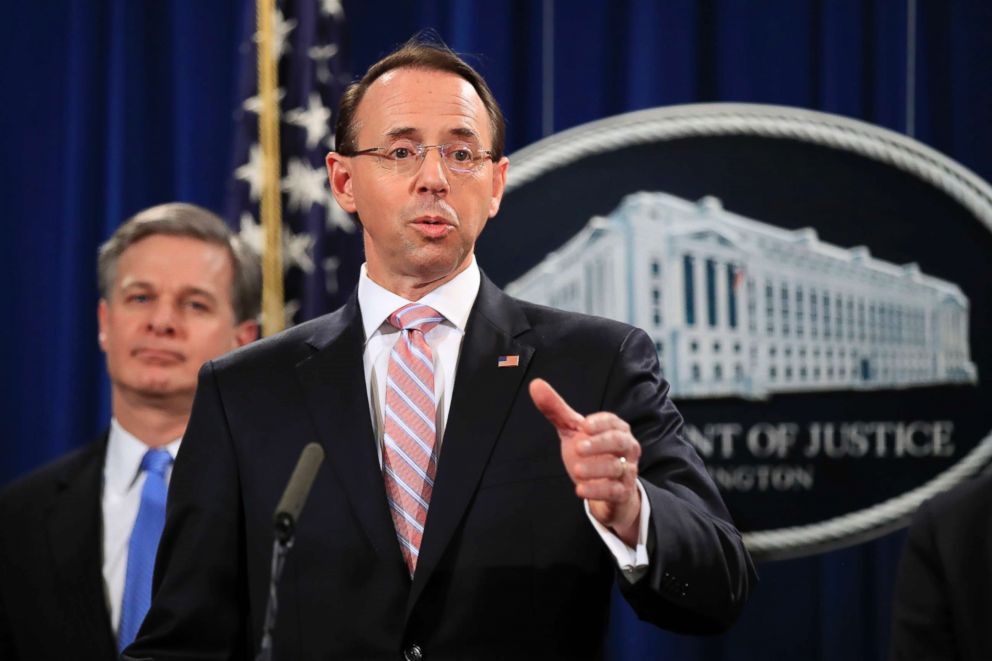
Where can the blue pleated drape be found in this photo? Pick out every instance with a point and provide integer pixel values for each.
(109, 107)
(112, 106)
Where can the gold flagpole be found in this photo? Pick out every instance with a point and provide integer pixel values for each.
(273, 315)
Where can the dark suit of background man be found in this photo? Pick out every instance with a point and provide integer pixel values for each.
(526, 528)
(943, 596)
(177, 289)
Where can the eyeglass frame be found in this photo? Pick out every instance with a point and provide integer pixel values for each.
(421, 150)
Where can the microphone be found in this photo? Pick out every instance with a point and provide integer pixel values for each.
(284, 520)
(295, 496)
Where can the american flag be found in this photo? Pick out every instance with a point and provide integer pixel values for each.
(508, 361)
(321, 243)
(739, 275)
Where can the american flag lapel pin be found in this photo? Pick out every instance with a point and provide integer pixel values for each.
(508, 361)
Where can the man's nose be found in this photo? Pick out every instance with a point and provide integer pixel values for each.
(432, 177)
(164, 318)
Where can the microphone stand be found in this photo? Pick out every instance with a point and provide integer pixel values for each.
(287, 512)
(280, 549)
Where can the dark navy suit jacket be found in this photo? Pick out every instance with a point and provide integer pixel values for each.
(509, 567)
(52, 599)
(943, 596)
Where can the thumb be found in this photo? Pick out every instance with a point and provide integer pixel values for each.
(553, 407)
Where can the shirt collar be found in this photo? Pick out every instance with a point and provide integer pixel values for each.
(124, 454)
(454, 299)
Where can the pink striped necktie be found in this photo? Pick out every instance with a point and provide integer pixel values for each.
(409, 459)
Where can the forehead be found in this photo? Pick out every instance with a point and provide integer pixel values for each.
(175, 262)
(432, 103)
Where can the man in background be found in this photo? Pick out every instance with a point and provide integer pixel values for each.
(943, 594)
(177, 289)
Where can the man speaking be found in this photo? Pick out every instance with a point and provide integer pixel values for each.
(450, 519)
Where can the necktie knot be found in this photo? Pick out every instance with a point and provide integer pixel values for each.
(415, 316)
(156, 461)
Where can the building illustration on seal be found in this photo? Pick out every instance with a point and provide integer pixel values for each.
(739, 307)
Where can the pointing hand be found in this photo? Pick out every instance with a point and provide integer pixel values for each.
(600, 456)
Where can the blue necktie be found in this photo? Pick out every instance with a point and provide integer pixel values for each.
(143, 545)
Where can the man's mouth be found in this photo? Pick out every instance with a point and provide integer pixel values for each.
(433, 226)
(158, 356)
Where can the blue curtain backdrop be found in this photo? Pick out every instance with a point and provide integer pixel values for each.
(112, 106)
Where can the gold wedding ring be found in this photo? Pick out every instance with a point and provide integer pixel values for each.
(623, 466)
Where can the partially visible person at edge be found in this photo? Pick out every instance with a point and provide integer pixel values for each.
(177, 288)
(943, 594)
(466, 509)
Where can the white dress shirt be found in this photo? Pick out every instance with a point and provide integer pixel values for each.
(454, 300)
(123, 481)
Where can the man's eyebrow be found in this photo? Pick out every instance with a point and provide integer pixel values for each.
(462, 132)
(184, 292)
(136, 284)
(465, 132)
(401, 132)
(198, 291)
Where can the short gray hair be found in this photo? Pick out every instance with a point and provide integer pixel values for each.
(182, 219)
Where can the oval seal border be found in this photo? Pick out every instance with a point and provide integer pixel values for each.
(783, 122)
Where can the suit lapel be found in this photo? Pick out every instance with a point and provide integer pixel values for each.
(481, 402)
(75, 534)
(334, 386)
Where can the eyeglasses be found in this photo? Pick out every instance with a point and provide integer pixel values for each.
(404, 157)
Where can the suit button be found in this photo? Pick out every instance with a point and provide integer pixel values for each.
(413, 653)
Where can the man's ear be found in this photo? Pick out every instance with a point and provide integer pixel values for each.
(101, 318)
(245, 332)
(339, 175)
(500, 170)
